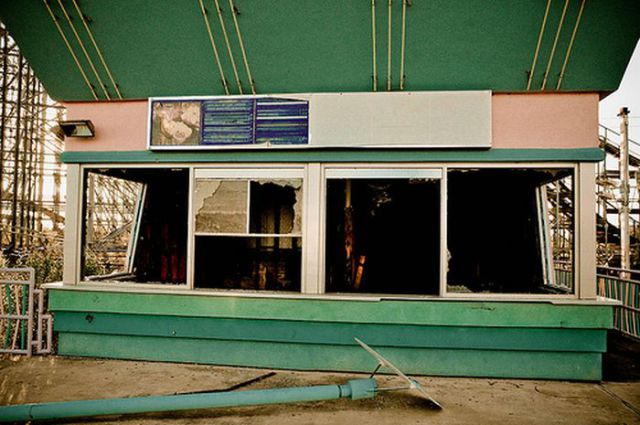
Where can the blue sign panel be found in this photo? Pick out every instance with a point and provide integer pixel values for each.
(229, 122)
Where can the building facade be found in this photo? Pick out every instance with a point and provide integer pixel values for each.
(419, 175)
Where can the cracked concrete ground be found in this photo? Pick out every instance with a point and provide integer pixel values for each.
(478, 401)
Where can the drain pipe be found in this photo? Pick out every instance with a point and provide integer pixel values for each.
(354, 389)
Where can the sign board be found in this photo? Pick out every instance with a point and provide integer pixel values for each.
(323, 120)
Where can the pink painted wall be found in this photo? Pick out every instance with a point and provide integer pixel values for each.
(567, 120)
(120, 126)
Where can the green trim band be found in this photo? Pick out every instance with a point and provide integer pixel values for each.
(335, 155)
(434, 313)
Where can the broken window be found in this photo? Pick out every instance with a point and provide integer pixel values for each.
(383, 235)
(510, 231)
(135, 225)
(248, 233)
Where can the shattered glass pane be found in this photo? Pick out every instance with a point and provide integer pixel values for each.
(276, 206)
(221, 206)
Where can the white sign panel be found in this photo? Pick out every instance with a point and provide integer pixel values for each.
(397, 119)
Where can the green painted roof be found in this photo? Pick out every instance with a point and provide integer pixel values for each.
(161, 47)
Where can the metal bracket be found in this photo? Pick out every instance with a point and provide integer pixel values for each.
(412, 383)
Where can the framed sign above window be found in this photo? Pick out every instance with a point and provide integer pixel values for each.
(227, 122)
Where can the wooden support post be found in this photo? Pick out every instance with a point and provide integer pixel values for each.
(16, 151)
(3, 119)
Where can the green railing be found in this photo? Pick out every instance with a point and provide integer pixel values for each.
(16, 310)
(622, 285)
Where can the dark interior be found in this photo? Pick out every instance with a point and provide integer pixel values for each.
(388, 240)
(259, 263)
(493, 230)
(271, 208)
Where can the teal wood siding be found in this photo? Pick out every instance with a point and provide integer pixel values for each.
(449, 338)
(333, 155)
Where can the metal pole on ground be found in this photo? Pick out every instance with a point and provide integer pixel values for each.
(354, 389)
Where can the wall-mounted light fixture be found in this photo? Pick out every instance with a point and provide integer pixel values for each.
(77, 128)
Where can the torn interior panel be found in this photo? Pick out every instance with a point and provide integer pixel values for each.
(221, 206)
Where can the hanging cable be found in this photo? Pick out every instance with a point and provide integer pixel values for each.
(73, 55)
(226, 40)
(404, 26)
(389, 47)
(215, 49)
(573, 37)
(535, 55)
(234, 12)
(86, 54)
(95, 45)
(555, 44)
(373, 41)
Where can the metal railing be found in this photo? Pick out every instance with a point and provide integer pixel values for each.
(622, 285)
(24, 326)
(612, 136)
(563, 275)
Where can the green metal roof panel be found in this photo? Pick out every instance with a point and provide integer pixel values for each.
(161, 48)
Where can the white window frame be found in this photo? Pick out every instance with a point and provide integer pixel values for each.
(74, 218)
(381, 171)
(575, 294)
(241, 173)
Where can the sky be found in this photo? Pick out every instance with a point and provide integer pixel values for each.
(628, 94)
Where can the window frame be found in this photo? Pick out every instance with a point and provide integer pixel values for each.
(574, 294)
(314, 180)
(239, 173)
(379, 171)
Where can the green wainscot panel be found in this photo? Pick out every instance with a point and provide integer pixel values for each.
(333, 333)
(446, 362)
(422, 312)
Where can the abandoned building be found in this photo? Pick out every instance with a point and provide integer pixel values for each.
(416, 174)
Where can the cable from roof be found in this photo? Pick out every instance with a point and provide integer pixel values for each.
(86, 54)
(555, 44)
(226, 39)
(95, 45)
(573, 37)
(234, 12)
(535, 55)
(215, 49)
(373, 42)
(404, 27)
(73, 55)
(389, 47)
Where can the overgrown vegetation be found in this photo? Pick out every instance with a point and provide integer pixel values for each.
(46, 260)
